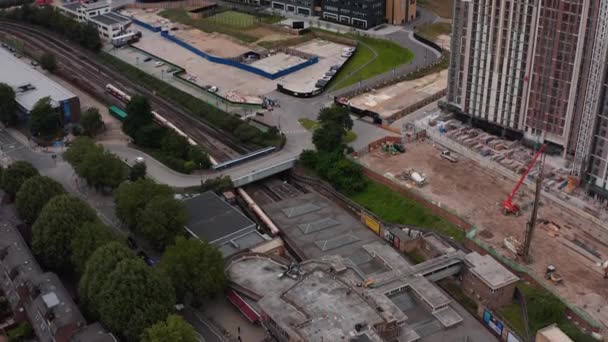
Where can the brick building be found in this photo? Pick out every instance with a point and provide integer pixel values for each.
(488, 281)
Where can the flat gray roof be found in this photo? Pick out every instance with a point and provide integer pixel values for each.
(111, 18)
(16, 73)
(490, 271)
(212, 219)
(74, 6)
(318, 227)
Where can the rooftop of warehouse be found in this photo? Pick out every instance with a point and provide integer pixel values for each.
(490, 271)
(212, 219)
(18, 74)
(318, 227)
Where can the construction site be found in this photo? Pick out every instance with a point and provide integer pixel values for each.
(477, 177)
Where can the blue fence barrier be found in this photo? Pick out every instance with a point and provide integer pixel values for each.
(225, 61)
(146, 25)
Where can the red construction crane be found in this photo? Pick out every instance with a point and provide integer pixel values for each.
(508, 207)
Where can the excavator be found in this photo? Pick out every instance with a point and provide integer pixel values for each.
(510, 208)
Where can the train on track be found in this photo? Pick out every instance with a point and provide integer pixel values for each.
(159, 119)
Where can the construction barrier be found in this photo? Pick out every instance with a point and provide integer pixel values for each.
(146, 25)
(227, 61)
(239, 65)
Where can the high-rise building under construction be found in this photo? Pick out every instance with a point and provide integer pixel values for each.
(536, 69)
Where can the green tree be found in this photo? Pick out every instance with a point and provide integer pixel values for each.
(245, 132)
(55, 228)
(15, 175)
(337, 115)
(173, 329)
(79, 148)
(131, 197)
(174, 145)
(161, 220)
(8, 105)
(48, 62)
(99, 266)
(133, 297)
(87, 238)
(34, 195)
(149, 135)
(138, 171)
(91, 122)
(219, 184)
(199, 157)
(22, 332)
(44, 119)
(90, 37)
(347, 176)
(196, 269)
(328, 137)
(102, 169)
(309, 159)
(140, 115)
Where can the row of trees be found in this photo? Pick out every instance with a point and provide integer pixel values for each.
(49, 17)
(328, 161)
(149, 209)
(116, 287)
(99, 167)
(166, 145)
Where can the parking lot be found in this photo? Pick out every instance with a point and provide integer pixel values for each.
(329, 54)
(232, 83)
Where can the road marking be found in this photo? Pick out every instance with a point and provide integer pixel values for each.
(208, 325)
(201, 338)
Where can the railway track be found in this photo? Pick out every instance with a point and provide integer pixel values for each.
(83, 64)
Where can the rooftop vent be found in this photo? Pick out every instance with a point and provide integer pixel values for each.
(50, 299)
(26, 87)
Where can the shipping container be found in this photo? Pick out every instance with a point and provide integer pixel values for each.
(117, 113)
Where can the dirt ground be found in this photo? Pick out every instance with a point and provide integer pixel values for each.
(214, 44)
(389, 100)
(476, 194)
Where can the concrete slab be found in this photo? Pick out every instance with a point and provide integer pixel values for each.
(277, 62)
(390, 100)
(448, 317)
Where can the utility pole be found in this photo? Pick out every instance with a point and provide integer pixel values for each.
(531, 224)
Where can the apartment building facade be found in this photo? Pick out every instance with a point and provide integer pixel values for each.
(523, 65)
(536, 69)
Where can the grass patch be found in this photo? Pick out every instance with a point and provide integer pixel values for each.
(222, 25)
(310, 125)
(198, 108)
(432, 31)
(513, 315)
(396, 208)
(233, 19)
(442, 8)
(543, 309)
(390, 56)
(350, 137)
